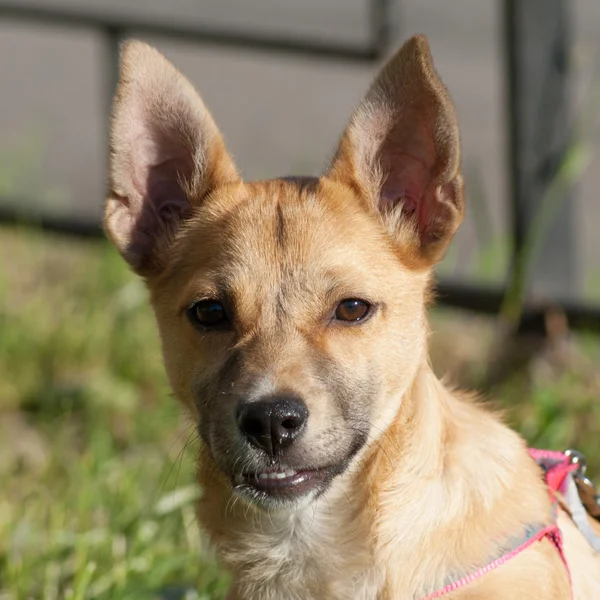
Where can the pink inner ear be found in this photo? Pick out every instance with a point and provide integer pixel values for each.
(407, 160)
(160, 164)
(157, 170)
(407, 181)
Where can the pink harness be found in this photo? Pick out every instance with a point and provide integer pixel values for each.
(557, 467)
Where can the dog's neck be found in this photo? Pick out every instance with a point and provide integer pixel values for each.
(411, 492)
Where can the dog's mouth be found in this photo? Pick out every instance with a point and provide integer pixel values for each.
(283, 484)
(279, 484)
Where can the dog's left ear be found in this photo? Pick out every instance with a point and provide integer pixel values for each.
(401, 152)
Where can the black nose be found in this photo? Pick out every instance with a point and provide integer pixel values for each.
(273, 423)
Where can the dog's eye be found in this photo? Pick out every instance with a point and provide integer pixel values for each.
(352, 310)
(208, 313)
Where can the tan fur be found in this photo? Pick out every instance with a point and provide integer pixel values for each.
(438, 483)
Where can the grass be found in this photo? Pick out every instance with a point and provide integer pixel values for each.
(96, 458)
(99, 501)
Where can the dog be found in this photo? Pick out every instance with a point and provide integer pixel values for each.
(292, 312)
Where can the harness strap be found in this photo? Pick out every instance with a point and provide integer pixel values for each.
(551, 531)
(557, 468)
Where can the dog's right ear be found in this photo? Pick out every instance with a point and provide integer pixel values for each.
(166, 155)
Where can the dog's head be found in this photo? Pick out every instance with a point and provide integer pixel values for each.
(291, 311)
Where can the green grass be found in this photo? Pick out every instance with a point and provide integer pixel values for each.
(99, 501)
(96, 459)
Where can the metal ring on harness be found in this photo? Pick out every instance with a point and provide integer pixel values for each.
(587, 490)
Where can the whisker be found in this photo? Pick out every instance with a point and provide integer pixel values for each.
(191, 438)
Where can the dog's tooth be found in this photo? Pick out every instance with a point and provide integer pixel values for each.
(273, 475)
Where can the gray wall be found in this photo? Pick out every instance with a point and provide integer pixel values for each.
(279, 114)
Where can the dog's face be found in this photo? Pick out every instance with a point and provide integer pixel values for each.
(281, 309)
(291, 311)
